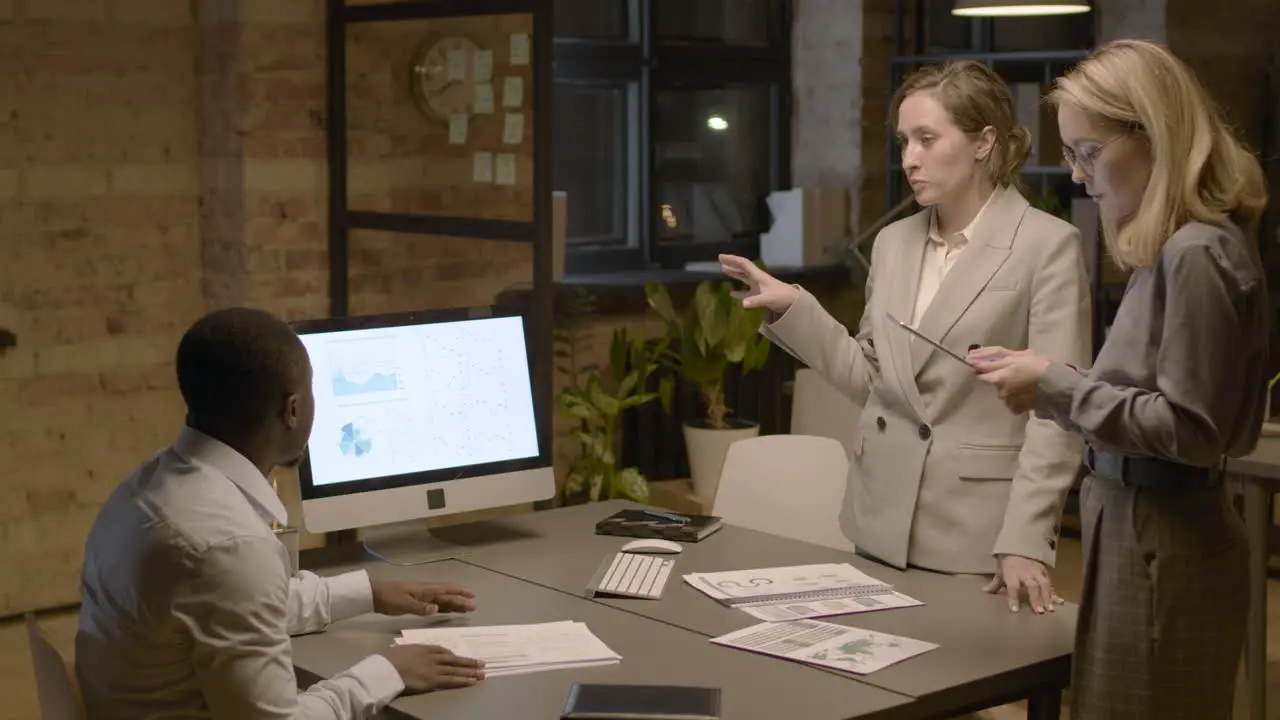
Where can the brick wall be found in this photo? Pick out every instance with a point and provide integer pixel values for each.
(101, 270)
(164, 158)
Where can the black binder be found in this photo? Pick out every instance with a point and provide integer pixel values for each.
(659, 524)
(641, 702)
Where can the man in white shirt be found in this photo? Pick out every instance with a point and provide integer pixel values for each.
(188, 597)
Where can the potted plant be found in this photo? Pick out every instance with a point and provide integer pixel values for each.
(713, 333)
(598, 403)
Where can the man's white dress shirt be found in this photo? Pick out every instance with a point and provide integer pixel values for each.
(189, 601)
(939, 255)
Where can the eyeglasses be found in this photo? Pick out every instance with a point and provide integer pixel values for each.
(1085, 162)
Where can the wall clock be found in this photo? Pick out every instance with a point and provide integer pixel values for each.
(443, 76)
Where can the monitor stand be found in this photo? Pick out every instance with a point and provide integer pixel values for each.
(414, 543)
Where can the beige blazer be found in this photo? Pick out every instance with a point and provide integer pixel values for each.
(942, 475)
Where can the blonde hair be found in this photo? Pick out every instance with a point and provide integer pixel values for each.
(976, 98)
(1201, 171)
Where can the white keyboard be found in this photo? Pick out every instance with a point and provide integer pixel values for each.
(632, 575)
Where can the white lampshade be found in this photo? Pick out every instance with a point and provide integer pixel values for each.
(1018, 8)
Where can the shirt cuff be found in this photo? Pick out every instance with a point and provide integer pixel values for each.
(379, 677)
(1056, 391)
(350, 594)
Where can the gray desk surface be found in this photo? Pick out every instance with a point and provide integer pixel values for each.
(986, 652)
(652, 653)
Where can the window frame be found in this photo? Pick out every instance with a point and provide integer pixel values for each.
(639, 59)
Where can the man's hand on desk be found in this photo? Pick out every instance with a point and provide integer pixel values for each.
(427, 668)
(406, 597)
(1014, 574)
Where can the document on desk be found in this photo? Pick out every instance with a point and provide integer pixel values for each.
(825, 644)
(519, 649)
(802, 591)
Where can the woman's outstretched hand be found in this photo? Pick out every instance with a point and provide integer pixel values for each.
(763, 290)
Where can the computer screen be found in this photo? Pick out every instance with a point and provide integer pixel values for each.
(408, 399)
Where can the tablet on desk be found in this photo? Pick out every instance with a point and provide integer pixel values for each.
(928, 339)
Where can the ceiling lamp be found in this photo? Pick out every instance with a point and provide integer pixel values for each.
(1018, 8)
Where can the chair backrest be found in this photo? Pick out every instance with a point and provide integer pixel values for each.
(819, 409)
(55, 683)
(788, 485)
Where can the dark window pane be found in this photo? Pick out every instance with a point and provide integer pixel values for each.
(737, 22)
(590, 163)
(589, 18)
(711, 155)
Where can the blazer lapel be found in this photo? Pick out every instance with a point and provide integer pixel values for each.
(901, 303)
(987, 251)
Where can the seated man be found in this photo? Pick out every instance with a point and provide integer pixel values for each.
(188, 599)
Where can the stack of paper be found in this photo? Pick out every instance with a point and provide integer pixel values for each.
(802, 591)
(819, 643)
(518, 649)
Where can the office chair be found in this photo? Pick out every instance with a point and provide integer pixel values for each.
(788, 485)
(55, 682)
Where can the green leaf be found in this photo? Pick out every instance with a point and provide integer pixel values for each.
(632, 485)
(595, 484)
(627, 385)
(619, 350)
(607, 405)
(660, 300)
(581, 412)
(667, 393)
(636, 400)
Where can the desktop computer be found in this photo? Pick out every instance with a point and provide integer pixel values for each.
(420, 415)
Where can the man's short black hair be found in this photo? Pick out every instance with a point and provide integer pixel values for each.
(236, 365)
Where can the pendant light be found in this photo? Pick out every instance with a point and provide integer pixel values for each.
(1018, 8)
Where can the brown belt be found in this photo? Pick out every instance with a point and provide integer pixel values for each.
(1152, 473)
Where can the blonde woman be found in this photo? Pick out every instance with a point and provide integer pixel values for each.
(1177, 386)
(941, 477)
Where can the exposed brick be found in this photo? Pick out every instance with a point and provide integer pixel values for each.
(152, 12)
(64, 10)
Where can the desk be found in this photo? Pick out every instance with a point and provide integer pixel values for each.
(652, 653)
(987, 656)
(1260, 472)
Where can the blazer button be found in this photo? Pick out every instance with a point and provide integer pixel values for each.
(1053, 544)
(880, 423)
(974, 346)
(925, 432)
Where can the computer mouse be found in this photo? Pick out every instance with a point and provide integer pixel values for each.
(652, 545)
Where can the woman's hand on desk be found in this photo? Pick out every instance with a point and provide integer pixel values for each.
(763, 290)
(427, 668)
(1015, 574)
(406, 597)
(1015, 374)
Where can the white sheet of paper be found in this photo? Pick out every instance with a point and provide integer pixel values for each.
(505, 169)
(512, 92)
(458, 130)
(483, 65)
(513, 129)
(828, 608)
(482, 101)
(482, 167)
(456, 65)
(518, 649)
(519, 49)
(826, 644)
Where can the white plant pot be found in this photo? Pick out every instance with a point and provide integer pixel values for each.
(708, 448)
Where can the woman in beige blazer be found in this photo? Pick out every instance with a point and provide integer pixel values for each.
(1179, 385)
(941, 476)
